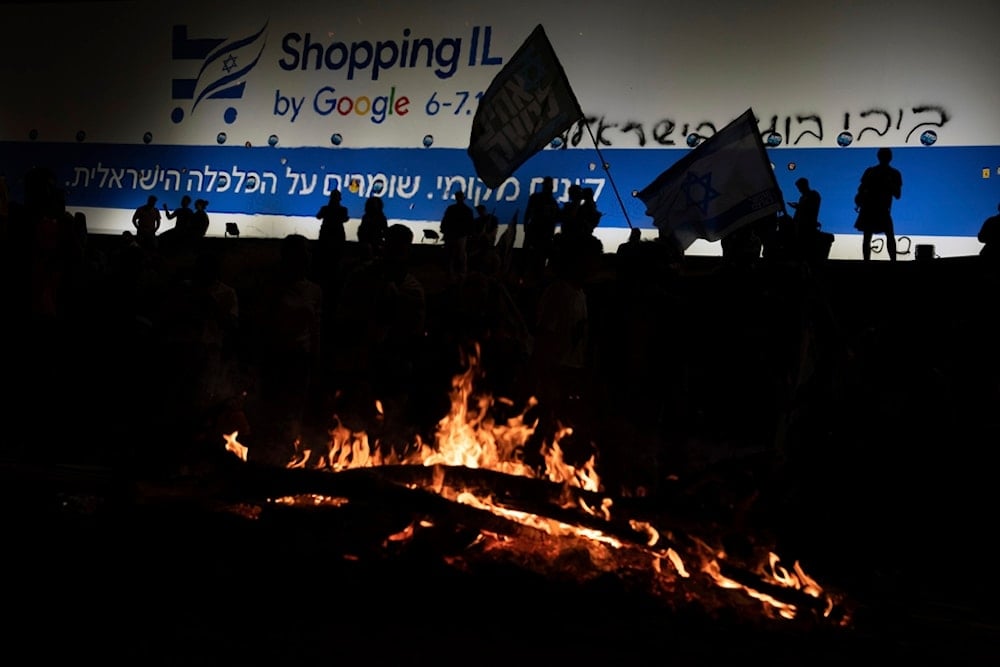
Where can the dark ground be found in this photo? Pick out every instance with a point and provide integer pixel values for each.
(877, 474)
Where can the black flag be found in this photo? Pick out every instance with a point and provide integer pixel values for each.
(528, 103)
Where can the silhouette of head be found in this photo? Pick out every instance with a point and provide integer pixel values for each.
(295, 255)
(151, 201)
(185, 200)
(884, 155)
(398, 239)
(335, 195)
(459, 196)
(802, 184)
(635, 234)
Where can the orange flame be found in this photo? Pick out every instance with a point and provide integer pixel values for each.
(469, 436)
(777, 575)
(546, 525)
(233, 445)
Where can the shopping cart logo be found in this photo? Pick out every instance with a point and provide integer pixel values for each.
(222, 75)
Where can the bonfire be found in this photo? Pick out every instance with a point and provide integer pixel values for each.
(555, 518)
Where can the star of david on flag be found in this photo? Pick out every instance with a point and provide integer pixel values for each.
(224, 69)
(724, 183)
(699, 191)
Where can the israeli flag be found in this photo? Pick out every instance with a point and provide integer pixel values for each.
(724, 183)
(223, 73)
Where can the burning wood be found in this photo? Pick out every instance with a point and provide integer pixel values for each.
(531, 517)
(474, 482)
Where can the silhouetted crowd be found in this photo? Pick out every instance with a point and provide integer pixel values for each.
(145, 349)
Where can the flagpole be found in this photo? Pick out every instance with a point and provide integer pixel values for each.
(607, 170)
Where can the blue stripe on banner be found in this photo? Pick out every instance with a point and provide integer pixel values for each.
(731, 216)
(945, 191)
(231, 93)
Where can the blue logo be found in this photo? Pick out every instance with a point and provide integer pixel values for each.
(225, 65)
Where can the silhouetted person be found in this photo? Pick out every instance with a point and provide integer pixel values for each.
(627, 257)
(48, 358)
(880, 184)
(667, 249)
(505, 243)
(332, 236)
(199, 220)
(482, 312)
(766, 231)
(80, 227)
(569, 214)
(631, 245)
(49, 268)
(221, 325)
(487, 223)
(484, 235)
(741, 248)
(379, 323)
(146, 221)
(540, 219)
(290, 331)
(76, 259)
(456, 227)
(589, 216)
(989, 236)
(197, 323)
(560, 361)
(805, 221)
(371, 231)
(401, 314)
(182, 215)
(806, 214)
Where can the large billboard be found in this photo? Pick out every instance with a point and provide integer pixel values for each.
(263, 108)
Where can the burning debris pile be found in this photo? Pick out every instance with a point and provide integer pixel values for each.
(473, 498)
